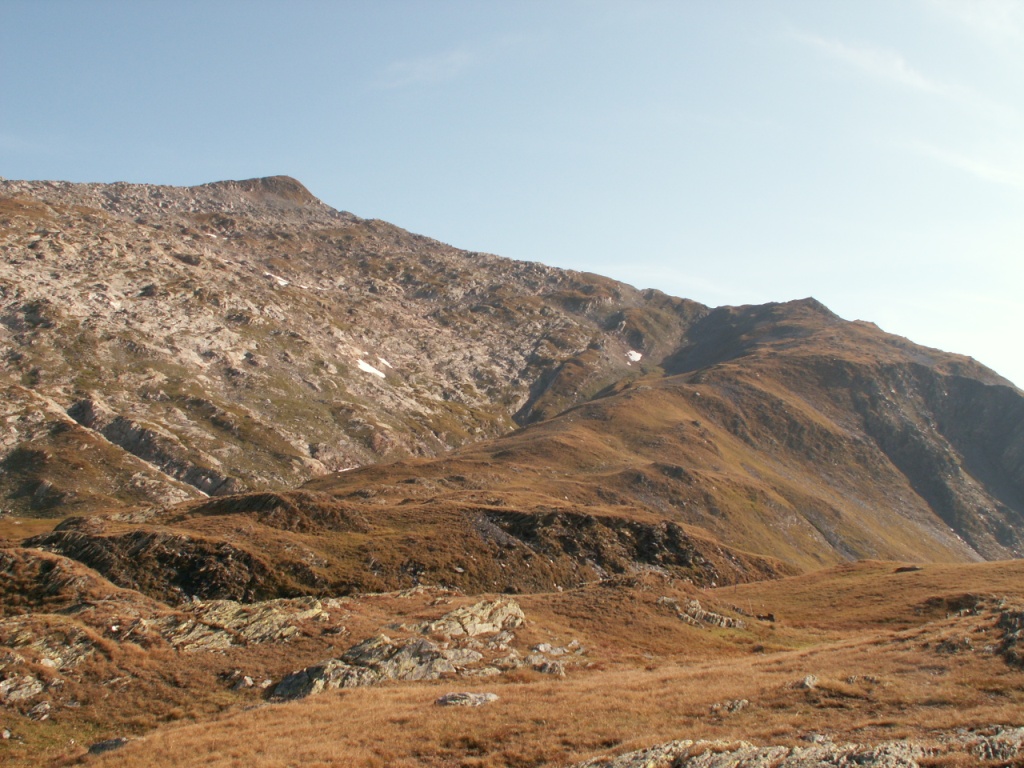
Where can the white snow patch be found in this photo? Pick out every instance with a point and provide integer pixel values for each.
(365, 366)
(384, 362)
(280, 280)
(635, 356)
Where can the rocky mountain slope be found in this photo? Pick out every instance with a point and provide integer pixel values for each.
(166, 344)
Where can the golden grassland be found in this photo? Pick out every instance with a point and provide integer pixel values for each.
(14, 529)
(871, 635)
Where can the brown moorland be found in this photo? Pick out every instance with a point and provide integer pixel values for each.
(897, 655)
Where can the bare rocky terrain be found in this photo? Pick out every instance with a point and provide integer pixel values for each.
(243, 336)
(259, 457)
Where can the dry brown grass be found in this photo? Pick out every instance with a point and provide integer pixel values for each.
(14, 529)
(876, 652)
(544, 722)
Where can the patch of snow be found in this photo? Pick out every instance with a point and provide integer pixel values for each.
(635, 356)
(385, 363)
(280, 280)
(365, 366)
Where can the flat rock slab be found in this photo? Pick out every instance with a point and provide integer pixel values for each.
(466, 699)
(107, 746)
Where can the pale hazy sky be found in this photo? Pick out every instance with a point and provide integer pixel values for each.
(869, 154)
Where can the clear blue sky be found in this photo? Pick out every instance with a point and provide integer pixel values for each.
(869, 154)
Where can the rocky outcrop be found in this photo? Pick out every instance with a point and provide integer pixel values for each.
(52, 466)
(612, 544)
(483, 618)
(153, 445)
(692, 613)
(466, 699)
(219, 624)
(379, 658)
(169, 566)
(1011, 622)
(372, 661)
(20, 688)
(999, 744)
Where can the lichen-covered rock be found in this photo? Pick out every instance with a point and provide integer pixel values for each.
(58, 641)
(462, 657)
(20, 688)
(372, 661)
(488, 617)
(317, 678)
(219, 624)
(696, 616)
(466, 699)
(550, 667)
(660, 756)
(417, 659)
(1005, 744)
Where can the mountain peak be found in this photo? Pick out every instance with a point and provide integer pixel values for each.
(281, 189)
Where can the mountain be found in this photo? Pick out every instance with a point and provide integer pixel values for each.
(165, 344)
(253, 449)
(183, 342)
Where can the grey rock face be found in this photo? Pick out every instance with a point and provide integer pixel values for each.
(370, 662)
(381, 658)
(219, 624)
(466, 699)
(484, 618)
(20, 688)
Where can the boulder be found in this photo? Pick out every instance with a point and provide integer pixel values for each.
(317, 678)
(466, 699)
(20, 688)
(108, 745)
(416, 659)
(488, 617)
(809, 682)
(372, 661)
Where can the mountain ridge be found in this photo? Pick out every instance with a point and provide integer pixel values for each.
(216, 297)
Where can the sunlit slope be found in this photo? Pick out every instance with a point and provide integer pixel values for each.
(785, 431)
(777, 438)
